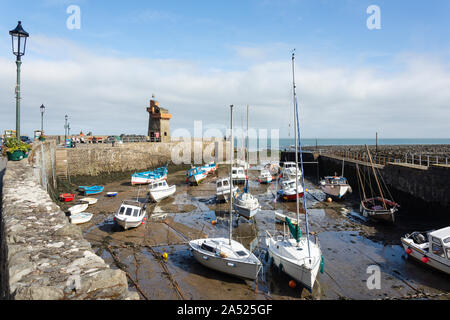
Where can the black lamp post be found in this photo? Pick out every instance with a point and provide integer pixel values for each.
(19, 41)
(42, 118)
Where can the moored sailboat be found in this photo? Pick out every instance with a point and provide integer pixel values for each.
(227, 255)
(299, 256)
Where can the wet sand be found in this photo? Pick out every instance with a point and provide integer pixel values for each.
(349, 244)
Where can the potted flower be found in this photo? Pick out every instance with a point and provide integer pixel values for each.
(16, 150)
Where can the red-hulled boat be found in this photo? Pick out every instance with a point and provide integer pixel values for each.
(66, 197)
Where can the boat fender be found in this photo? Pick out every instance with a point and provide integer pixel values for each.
(408, 250)
(280, 268)
(322, 265)
(425, 259)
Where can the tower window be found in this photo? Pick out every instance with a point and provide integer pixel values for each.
(165, 134)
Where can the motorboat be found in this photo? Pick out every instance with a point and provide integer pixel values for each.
(288, 190)
(159, 190)
(246, 205)
(289, 171)
(265, 176)
(223, 189)
(147, 177)
(130, 214)
(431, 248)
(210, 168)
(335, 186)
(238, 175)
(195, 176)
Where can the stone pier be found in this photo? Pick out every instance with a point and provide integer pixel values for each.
(43, 256)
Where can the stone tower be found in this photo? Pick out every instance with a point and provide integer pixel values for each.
(158, 122)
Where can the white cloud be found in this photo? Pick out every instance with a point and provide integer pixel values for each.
(109, 95)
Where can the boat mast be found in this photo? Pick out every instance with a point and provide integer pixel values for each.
(376, 178)
(301, 163)
(295, 137)
(247, 161)
(231, 180)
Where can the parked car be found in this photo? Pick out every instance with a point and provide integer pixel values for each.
(25, 139)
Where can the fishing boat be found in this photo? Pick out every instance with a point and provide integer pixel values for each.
(159, 190)
(288, 190)
(93, 190)
(377, 207)
(210, 168)
(238, 175)
(78, 208)
(81, 217)
(111, 194)
(227, 255)
(334, 186)
(265, 176)
(131, 214)
(66, 197)
(289, 171)
(89, 200)
(195, 175)
(296, 255)
(223, 189)
(147, 177)
(432, 248)
(245, 204)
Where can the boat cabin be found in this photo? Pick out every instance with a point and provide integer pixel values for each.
(195, 171)
(289, 165)
(158, 185)
(131, 208)
(223, 183)
(334, 180)
(237, 171)
(440, 242)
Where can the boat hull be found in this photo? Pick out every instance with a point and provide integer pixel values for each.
(299, 270)
(229, 266)
(78, 208)
(379, 215)
(158, 195)
(335, 191)
(196, 179)
(80, 218)
(128, 224)
(417, 254)
(244, 211)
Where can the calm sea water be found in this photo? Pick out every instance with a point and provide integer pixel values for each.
(283, 142)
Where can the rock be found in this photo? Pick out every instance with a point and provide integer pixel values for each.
(69, 230)
(38, 293)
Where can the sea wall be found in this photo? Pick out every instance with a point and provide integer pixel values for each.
(46, 257)
(43, 161)
(93, 160)
(420, 190)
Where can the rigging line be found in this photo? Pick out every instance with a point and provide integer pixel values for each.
(301, 164)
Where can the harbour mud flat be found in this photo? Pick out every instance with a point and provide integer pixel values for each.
(350, 245)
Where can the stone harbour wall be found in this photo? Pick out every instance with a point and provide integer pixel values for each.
(46, 257)
(93, 160)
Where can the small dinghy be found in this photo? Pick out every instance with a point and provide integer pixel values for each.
(66, 197)
(93, 190)
(89, 200)
(130, 214)
(81, 217)
(196, 175)
(78, 208)
(111, 194)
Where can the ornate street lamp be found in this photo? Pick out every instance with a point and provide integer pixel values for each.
(19, 41)
(65, 130)
(42, 118)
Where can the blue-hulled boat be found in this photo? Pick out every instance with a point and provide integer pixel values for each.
(93, 190)
(210, 167)
(196, 175)
(149, 176)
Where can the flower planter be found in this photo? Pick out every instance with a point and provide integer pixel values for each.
(17, 155)
(41, 139)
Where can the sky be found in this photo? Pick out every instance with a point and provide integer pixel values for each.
(198, 57)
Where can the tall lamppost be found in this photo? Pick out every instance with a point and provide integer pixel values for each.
(65, 130)
(42, 118)
(19, 41)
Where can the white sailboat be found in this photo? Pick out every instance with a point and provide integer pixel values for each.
(299, 257)
(227, 255)
(245, 204)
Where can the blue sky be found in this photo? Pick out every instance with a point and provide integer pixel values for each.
(221, 39)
